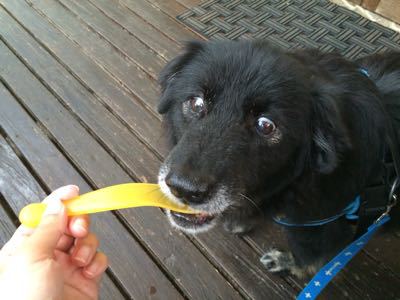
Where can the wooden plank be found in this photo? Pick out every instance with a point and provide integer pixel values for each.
(354, 281)
(173, 9)
(128, 44)
(383, 248)
(170, 8)
(7, 226)
(239, 277)
(157, 18)
(80, 101)
(370, 4)
(273, 236)
(371, 279)
(149, 224)
(123, 104)
(242, 264)
(46, 108)
(18, 186)
(101, 51)
(389, 9)
(47, 161)
(189, 3)
(153, 38)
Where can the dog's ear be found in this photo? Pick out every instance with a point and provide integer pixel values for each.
(330, 139)
(167, 75)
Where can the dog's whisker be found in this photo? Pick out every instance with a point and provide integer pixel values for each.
(253, 203)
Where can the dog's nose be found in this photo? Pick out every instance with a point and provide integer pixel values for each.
(186, 190)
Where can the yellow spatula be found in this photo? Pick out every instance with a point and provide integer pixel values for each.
(114, 197)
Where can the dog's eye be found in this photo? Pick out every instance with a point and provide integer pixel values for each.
(265, 126)
(197, 106)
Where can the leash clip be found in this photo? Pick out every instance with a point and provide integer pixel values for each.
(392, 200)
(389, 207)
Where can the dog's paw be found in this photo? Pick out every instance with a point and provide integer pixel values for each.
(276, 261)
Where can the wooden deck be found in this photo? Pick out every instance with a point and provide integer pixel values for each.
(78, 98)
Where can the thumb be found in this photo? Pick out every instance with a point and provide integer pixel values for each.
(44, 239)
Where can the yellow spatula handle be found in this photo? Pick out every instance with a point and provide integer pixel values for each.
(114, 197)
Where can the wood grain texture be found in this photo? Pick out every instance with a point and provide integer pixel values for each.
(174, 9)
(108, 91)
(240, 277)
(138, 27)
(130, 46)
(389, 9)
(149, 224)
(47, 161)
(80, 101)
(7, 226)
(102, 52)
(370, 4)
(189, 3)
(160, 20)
(17, 185)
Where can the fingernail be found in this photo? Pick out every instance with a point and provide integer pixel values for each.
(76, 187)
(91, 270)
(73, 187)
(80, 225)
(54, 207)
(83, 254)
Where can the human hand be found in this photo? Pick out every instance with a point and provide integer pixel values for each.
(56, 260)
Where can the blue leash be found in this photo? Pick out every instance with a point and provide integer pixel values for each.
(326, 274)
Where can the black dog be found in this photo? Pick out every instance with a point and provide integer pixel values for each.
(296, 134)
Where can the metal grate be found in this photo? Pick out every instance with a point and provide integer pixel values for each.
(292, 24)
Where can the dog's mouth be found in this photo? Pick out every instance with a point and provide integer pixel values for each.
(192, 223)
(195, 219)
(209, 211)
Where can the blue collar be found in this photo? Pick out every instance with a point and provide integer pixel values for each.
(349, 212)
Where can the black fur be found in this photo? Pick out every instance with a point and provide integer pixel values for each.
(329, 140)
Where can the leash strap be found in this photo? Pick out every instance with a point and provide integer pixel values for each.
(349, 212)
(326, 274)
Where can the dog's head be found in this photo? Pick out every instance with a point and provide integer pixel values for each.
(245, 119)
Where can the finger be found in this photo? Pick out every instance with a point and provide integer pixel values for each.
(65, 243)
(63, 193)
(85, 250)
(78, 226)
(43, 241)
(96, 267)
